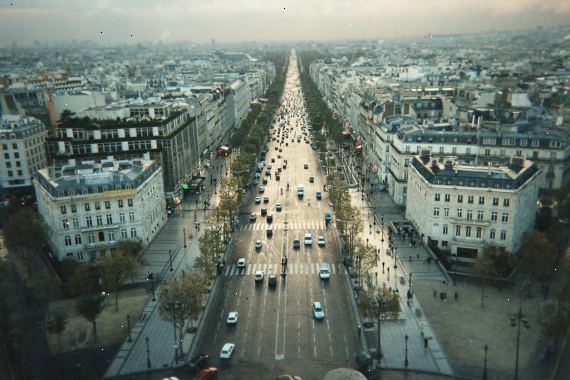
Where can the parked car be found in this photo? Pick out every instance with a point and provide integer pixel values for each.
(227, 351)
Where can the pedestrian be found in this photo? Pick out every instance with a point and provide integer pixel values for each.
(388, 271)
(426, 342)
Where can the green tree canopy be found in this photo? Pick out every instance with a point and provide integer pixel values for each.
(89, 308)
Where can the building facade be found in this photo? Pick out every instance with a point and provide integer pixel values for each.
(462, 208)
(93, 205)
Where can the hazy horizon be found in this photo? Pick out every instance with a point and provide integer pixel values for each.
(229, 21)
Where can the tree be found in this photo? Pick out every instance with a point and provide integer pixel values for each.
(89, 308)
(25, 236)
(83, 281)
(211, 250)
(538, 255)
(181, 300)
(56, 325)
(117, 268)
(485, 266)
(45, 286)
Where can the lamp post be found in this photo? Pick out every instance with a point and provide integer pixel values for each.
(410, 283)
(516, 321)
(129, 339)
(184, 231)
(170, 256)
(406, 361)
(148, 365)
(381, 305)
(485, 363)
(152, 290)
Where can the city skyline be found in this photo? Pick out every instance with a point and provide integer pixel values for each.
(225, 21)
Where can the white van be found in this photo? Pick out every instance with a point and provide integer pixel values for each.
(324, 271)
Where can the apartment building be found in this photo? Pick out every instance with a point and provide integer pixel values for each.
(462, 208)
(92, 205)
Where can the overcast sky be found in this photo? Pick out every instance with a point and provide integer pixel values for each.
(119, 21)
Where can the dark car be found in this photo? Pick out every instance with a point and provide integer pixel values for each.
(263, 211)
(296, 244)
(269, 218)
(199, 362)
(269, 232)
(272, 281)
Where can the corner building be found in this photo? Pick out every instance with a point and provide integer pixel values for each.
(462, 208)
(93, 205)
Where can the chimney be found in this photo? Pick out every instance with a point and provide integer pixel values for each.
(448, 164)
(434, 166)
(424, 156)
(517, 164)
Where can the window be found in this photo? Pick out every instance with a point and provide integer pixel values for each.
(77, 239)
(80, 255)
(406, 164)
(468, 231)
(445, 229)
(440, 150)
(67, 240)
(407, 149)
(446, 212)
(492, 234)
(479, 232)
(454, 150)
(470, 199)
(65, 223)
(460, 199)
(89, 221)
(107, 205)
(436, 211)
(130, 202)
(457, 230)
(109, 219)
(91, 238)
(459, 213)
(63, 210)
(469, 214)
(480, 215)
(437, 197)
(99, 220)
(97, 205)
(131, 216)
(467, 151)
(120, 203)
(444, 243)
(447, 197)
(495, 201)
(505, 217)
(122, 217)
(73, 208)
(503, 235)
(133, 232)
(506, 202)
(111, 235)
(75, 222)
(87, 207)
(124, 233)
(494, 216)
(481, 200)
(487, 152)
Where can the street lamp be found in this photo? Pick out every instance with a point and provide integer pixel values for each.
(516, 321)
(184, 231)
(147, 354)
(406, 361)
(485, 363)
(129, 328)
(170, 255)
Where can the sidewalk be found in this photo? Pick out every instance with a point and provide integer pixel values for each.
(132, 356)
(411, 321)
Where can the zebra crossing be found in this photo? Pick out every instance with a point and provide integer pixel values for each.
(292, 268)
(304, 226)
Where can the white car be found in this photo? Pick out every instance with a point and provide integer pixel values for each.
(318, 311)
(232, 318)
(321, 241)
(258, 245)
(258, 276)
(241, 263)
(257, 200)
(227, 351)
(308, 239)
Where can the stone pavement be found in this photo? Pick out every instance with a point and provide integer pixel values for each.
(378, 212)
(132, 356)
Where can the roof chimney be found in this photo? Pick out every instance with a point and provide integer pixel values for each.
(448, 164)
(424, 156)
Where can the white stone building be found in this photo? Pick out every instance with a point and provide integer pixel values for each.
(462, 208)
(93, 205)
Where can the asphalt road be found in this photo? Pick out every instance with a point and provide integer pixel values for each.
(276, 332)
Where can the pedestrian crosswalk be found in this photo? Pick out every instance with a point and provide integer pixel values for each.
(304, 226)
(292, 269)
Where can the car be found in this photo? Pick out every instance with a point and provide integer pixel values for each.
(268, 173)
(308, 239)
(313, 146)
(264, 181)
(278, 207)
(272, 281)
(318, 311)
(227, 351)
(328, 216)
(321, 241)
(306, 166)
(241, 263)
(319, 195)
(275, 147)
(296, 244)
(263, 211)
(198, 362)
(261, 189)
(311, 179)
(269, 167)
(206, 373)
(280, 150)
(252, 217)
(269, 231)
(273, 159)
(277, 176)
(232, 318)
(269, 218)
(258, 245)
(258, 277)
(257, 200)
(265, 199)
